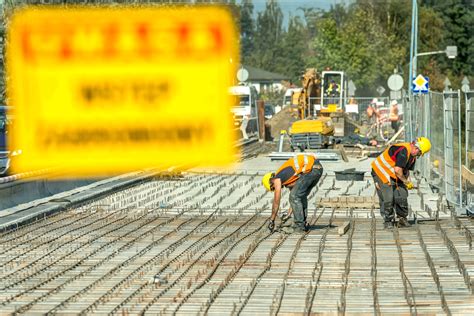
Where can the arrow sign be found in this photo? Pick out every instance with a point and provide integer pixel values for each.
(420, 84)
(380, 90)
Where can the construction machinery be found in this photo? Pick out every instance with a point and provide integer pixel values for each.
(291, 96)
(310, 131)
(333, 94)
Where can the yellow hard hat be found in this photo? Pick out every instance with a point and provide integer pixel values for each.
(423, 144)
(266, 181)
(436, 163)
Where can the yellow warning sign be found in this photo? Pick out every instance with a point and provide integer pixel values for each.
(111, 90)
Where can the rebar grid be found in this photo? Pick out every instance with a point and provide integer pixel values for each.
(198, 244)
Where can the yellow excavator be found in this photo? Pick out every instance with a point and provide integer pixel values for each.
(310, 131)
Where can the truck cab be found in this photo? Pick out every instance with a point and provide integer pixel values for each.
(245, 104)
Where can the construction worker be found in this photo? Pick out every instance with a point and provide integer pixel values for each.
(334, 89)
(394, 117)
(299, 174)
(371, 111)
(391, 173)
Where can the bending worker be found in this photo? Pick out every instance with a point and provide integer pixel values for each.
(299, 174)
(391, 172)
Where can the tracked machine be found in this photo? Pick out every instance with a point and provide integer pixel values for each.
(310, 131)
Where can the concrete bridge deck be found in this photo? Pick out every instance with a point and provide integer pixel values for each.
(197, 243)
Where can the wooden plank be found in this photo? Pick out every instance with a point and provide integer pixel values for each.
(343, 229)
(340, 147)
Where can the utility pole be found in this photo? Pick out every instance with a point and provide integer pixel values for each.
(413, 45)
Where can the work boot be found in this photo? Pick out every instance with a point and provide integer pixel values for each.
(293, 229)
(403, 222)
(388, 225)
(300, 230)
(286, 222)
(288, 230)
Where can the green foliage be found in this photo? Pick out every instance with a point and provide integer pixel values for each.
(357, 46)
(272, 97)
(368, 39)
(268, 37)
(247, 30)
(458, 18)
(294, 47)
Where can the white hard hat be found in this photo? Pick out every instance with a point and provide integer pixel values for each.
(374, 100)
(394, 102)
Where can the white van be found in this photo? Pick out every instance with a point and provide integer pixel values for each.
(246, 102)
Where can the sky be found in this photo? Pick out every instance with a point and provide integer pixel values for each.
(290, 7)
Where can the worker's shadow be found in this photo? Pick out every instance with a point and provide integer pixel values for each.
(316, 227)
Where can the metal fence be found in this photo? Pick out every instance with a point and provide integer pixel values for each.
(438, 116)
(356, 110)
(452, 147)
(435, 132)
(425, 117)
(469, 149)
(469, 159)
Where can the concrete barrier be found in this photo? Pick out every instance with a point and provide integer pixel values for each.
(24, 191)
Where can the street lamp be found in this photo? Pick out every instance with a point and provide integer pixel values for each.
(450, 51)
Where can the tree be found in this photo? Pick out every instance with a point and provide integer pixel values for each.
(431, 36)
(458, 17)
(247, 30)
(268, 37)
(293, 50)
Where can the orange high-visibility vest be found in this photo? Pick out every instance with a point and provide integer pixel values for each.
(370, 111)
(384, 164)
(301, 163)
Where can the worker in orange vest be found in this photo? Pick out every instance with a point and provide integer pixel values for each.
(299, 174)
(371, 111)
(394, 118)
(391, 173)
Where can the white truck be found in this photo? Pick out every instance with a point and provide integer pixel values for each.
(245, 108)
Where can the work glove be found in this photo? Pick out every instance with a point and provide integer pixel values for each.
(409, 185)
(285, 216)
(271, 226)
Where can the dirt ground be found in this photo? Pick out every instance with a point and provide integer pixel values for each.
(280, 121)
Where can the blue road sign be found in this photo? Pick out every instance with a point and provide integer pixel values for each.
(421, 84)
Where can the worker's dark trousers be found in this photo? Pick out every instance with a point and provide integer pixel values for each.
(299, 194)
(395, 126)
(390, 197)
